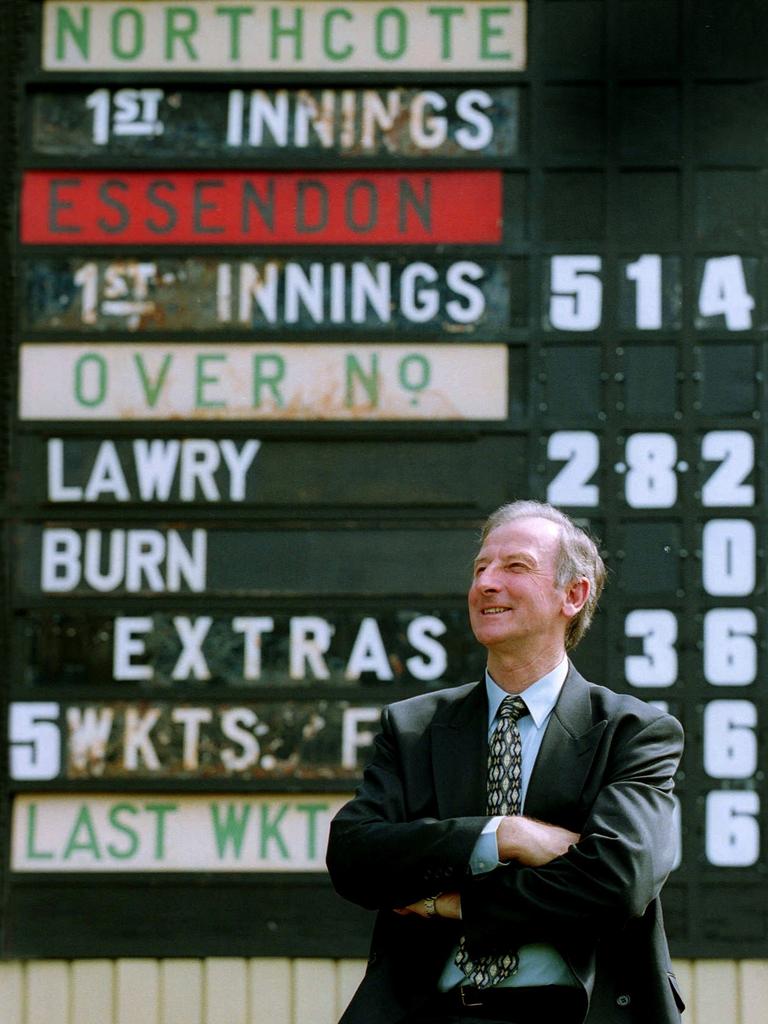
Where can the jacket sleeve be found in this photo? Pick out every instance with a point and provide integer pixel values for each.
(617, 868)
(379, 858)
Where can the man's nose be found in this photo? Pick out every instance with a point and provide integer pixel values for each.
(488, 580)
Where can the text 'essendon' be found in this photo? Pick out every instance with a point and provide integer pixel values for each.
(215, 208)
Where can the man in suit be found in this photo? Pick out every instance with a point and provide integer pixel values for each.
(514, 833)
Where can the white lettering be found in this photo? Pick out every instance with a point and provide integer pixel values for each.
(310, 638)
(421, 635)
(89, 732)
(127, 645)
(191, 719)
(191, 661)
(252, 630)
(352, 738)
(368, 653)
(237, 725)
(60, 568)
(57, 491)
(136, 742)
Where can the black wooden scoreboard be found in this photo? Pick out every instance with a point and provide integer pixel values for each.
(297, 292)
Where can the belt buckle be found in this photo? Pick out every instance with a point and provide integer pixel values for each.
(464, 991)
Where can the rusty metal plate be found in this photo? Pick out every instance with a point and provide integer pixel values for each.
(258, 648)
(469, 297)
(199, 742)
(307, 125)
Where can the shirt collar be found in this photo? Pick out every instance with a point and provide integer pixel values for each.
(540, 697)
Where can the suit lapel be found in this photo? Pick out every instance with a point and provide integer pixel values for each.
(460, 754)
(565, 756)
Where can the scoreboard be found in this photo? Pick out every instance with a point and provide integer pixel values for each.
(300, 292)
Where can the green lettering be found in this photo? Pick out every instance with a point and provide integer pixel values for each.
(369, 381)
(230, 830)
(133, 839)
(278, 30)
(401, 32)
(270, 831)
(151, 388)
(120, 48)
(445, 14)
(79, 34)
(312, 811)
(489, 31)
(414, 374)
(160, 811)
(101, 379)
(234, 14)
(328, 48)
(88, 843)
(32, 852)
(268, 372)
(201, 379)
(180, 32)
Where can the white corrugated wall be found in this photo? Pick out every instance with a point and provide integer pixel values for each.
(223, 990)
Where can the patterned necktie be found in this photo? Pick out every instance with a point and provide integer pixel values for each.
(505, 771)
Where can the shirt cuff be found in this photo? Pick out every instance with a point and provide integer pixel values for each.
(485, 854)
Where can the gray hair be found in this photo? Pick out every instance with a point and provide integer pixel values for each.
(577, 558)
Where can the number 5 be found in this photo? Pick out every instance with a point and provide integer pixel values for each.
(35, 741)
(577, 293)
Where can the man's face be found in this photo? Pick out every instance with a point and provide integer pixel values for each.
(514, 603)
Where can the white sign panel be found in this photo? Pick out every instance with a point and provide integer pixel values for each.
(313, 35)
(155, 381)
(158, 832)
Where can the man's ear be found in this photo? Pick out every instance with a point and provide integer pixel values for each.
(576, 594)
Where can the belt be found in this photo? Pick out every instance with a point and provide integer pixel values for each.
(561, 1003)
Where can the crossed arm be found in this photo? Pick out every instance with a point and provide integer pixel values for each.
(556, 882)
(525, 841)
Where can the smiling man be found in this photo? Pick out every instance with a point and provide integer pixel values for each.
(514, 833)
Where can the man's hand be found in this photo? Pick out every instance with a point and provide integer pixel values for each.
(447, 904)
(532, 843)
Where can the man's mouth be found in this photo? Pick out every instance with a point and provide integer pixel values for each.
(495, 611)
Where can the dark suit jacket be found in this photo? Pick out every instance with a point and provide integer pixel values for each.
(604, 770)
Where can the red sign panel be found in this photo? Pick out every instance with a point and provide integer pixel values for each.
(231, 207)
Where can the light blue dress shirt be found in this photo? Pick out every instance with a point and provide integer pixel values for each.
(540, 963)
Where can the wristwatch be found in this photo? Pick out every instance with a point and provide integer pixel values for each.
(430, 904)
